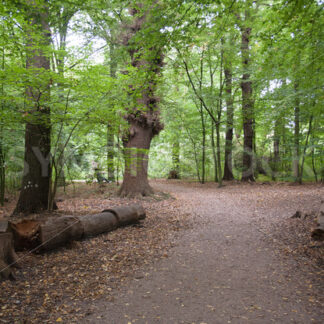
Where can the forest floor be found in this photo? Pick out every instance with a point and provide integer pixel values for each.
(203, 255)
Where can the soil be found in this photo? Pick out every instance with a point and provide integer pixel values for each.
(203, 255)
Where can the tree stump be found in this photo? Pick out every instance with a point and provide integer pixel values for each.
(8, 257)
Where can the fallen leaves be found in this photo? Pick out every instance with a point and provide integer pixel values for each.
(63, 285)
(51, 287)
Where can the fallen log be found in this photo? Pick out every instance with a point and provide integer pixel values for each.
(98, 223)
(59, 231)
(25, 234)
(8, 257)
(127, 215)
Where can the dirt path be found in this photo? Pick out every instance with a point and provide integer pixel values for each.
(224, 269)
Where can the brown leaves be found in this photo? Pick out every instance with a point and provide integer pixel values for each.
(60, 286)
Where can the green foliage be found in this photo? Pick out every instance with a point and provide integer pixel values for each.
(91, 77)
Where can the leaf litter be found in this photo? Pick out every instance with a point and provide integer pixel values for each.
(50, 286)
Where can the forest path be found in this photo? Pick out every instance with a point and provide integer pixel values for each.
(224, 269)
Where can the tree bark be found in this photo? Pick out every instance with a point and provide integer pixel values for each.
(219, 114)
(110, 133)
(296, 168)
(136, 149)
(8, 257)
(247, 106)
(203, 122)
(276, 150)
(175, 172)
(313, 164)
(214, 152)
(144, 117)
(110, 153)
(228, 167)
(34, 192)
(65, 14)
(59, 231)
(305, 148)
(203, 144)
(2, 172)
(2, 147)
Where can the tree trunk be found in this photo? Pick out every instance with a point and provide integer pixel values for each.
(2, 172)
(219, 162)
(2, 148)
(136, 150)
(175, 172)
(203, 126)
(296, 168)
(59, 231)
(144, 117)
(65, 14)
(110, 133)
(276, 150)
(228, 175)
(8, 257)
(214, 152)
(247, 107)
(110, 153)
(285, 151)
(219, 114)
(313, 163)
(37, 170)
(203, 161)
(305, 148)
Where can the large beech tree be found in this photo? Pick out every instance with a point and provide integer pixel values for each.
(37, 168)
(228, 175)
(143, 117)
(247, 99)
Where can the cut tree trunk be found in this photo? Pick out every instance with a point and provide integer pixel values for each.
(8, 257)
(58, 232)
(25, 234)
(128, 214)
(99, 223)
